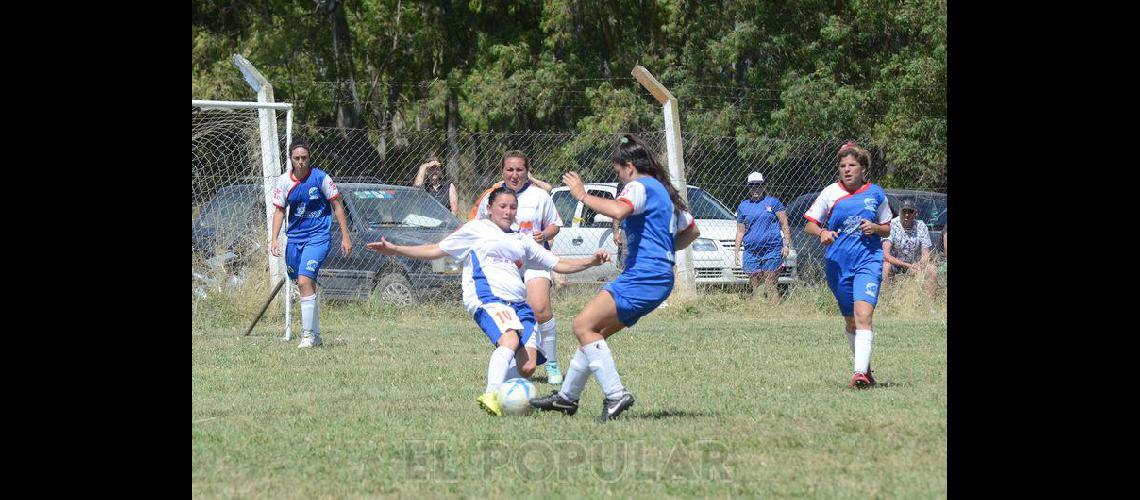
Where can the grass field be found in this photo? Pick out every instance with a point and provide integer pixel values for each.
(733, 398)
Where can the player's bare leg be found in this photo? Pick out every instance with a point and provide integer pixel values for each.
(771, 280)
(538, 296)
(596, 323)
(756, 281)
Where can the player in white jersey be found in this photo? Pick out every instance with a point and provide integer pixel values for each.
(538, 217)
(493, 289)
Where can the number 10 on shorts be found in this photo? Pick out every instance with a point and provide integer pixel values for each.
(504, 316)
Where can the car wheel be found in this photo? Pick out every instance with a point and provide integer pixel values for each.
(394, 288)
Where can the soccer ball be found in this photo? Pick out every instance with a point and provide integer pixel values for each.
(514, 396)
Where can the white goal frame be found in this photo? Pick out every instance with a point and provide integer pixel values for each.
(272, 167)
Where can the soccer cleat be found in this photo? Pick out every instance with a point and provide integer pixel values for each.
(489, 402)
(869, 375)
(309, 339)
(553, 374)
(611, 408)
(555, 401)
(860, 381)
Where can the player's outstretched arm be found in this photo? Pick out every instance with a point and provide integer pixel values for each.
(422, 252)
(568, 266)
(538, 182)
(613, 209)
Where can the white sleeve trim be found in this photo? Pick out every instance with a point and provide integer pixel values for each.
(328, 188)
(885, 214)
(634, 193)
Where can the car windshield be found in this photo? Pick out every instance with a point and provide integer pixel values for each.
(703, 206)
(379, 206)
(231, 206)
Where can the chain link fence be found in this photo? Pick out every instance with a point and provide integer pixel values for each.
(228, 211)
(376, 171)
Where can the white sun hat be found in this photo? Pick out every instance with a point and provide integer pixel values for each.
(755, 178)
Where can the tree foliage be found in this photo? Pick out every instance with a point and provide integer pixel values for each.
(748, 69)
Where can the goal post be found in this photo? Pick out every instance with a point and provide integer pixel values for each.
(230, 149)
(674, 153)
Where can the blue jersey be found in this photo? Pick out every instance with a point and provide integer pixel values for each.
(842, 211)
(307, 200)
(761, 226)
(650, 229)
(647, 278)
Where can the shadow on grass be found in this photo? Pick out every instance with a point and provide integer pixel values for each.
(660, 414)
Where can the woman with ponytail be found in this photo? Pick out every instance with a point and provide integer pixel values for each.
(655, 224)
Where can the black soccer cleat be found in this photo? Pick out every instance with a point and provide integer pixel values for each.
(556, 402)
(611, 408)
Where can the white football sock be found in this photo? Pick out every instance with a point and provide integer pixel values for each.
(576, 375)
(547, 335)
(497, 367)
(309, 313)
(850, 340)
(602, 366)
(863, 340)
(512, 370)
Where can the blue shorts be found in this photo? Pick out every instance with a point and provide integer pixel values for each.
(526, 317)
(861, 283)
(763, 260)
(636, 297)
(305, 257)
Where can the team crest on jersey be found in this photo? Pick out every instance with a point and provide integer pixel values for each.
(769, 207)
(872, 289)
(313, 193)
(869, 204)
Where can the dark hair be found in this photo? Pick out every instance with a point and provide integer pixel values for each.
(516, 153)
(501, 190)
(634, 151)
(861, 155)
(299, 143)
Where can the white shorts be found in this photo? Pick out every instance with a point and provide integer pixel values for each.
(530, 274)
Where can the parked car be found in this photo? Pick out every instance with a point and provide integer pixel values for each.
(931, 210)
(231, 227)
(713, 253)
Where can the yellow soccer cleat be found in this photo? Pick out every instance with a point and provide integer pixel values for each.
(489, 402)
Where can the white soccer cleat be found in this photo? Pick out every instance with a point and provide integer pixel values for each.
(309, 339)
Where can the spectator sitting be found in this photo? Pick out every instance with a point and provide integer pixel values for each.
(438, 185)
(908, 247)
